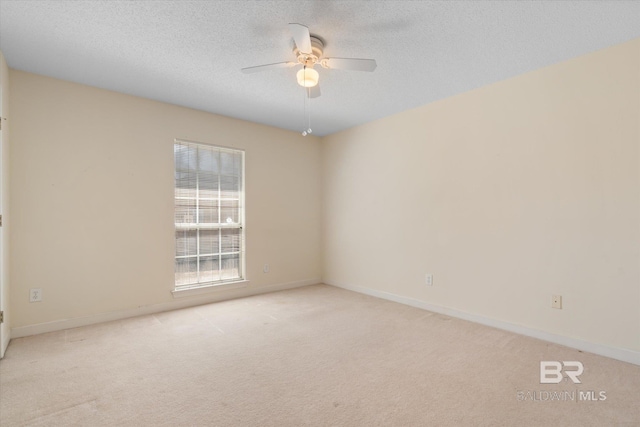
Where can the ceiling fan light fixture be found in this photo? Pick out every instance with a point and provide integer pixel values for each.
(307, 77)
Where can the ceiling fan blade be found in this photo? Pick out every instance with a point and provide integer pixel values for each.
(355, 64)
(314, 92)
(301, 36)
(249, 70)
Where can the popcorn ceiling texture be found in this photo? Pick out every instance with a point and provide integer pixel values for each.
(190, 53)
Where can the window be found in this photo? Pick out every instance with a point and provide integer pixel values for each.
(209, 202)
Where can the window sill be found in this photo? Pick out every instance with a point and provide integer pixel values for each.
(179, 293)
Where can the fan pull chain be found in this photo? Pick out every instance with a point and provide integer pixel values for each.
(304, 110)
(307, 111)
(309, 116)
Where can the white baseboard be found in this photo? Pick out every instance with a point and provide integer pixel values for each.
(624, 355)
(58, 325)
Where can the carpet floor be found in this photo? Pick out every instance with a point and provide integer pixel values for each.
(313, 356)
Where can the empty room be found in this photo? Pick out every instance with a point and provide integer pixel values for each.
(319, 213)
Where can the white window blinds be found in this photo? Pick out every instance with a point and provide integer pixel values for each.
(209, 201)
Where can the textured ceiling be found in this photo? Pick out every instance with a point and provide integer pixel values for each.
(190, 53)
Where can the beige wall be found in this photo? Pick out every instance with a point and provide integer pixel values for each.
(92, 198)
(5, 331)
(506, 194)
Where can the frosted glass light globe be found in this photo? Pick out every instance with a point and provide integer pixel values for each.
(307, 77)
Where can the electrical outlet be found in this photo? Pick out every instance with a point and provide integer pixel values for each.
(556, 301)
(429, 279)
(265, 268)
(35, 295)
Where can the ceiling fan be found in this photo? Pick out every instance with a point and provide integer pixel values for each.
(308, 51)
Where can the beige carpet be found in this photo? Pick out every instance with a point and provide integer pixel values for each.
(316, 356)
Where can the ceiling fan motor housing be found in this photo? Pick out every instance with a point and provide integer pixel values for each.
(310, 59)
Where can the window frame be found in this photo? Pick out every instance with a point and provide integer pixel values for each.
(222, 283)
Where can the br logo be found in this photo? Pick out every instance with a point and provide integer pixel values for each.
(551, 371)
